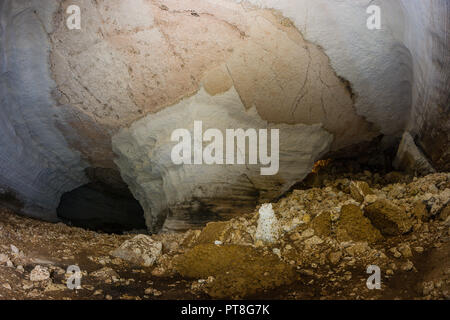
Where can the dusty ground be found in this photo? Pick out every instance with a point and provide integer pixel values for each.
(327, 237)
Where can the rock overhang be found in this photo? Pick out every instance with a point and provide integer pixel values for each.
(287, 65)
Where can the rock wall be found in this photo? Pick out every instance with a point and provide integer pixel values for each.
(426, 35)
(36, 163)
(194, 194)
(109, 95)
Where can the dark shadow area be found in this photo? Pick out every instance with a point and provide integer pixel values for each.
(105, 204)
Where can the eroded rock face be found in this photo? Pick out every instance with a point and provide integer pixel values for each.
(109, 95)
(144, 158)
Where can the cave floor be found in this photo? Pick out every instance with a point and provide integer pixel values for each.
(420, 272)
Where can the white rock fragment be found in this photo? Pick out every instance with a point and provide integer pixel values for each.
(7, 286)
(141, 250)
(277, 252)
(39, 273)
(14, 249)
(268, 228)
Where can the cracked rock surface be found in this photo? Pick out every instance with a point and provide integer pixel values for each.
(70, 99)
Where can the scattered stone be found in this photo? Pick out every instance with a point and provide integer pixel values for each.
(106, 274)
(141, 250)
(354, 226)
(335, 257)
(39, 273)
(53, 287)
(428, 287)
(277, 252)
(14, 249)
(7, 286)
(158, 272)
(315, 240)
(407, 266)
(322, 224)
(419, 249)
(395, 252)
(359, 190)
(390, 219)
(27, 286)
(370, 198)
(405, 250)
(152, 291)
(308, 233)
(358, 248)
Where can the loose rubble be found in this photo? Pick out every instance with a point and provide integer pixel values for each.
(322, 239)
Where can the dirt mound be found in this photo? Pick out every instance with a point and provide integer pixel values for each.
(238, 271)
(354, 226)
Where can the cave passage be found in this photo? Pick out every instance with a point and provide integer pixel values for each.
(95, 207)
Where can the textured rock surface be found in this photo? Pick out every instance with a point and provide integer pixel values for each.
(389, 218)
(410, 158)
(325, 267)
(238, 271)
(198, 193)
(267, 229)
(37, 165)
(39, 273)
(354, 226)
(310, 67)
(141, 250)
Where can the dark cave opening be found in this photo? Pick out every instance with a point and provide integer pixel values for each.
(103, 205)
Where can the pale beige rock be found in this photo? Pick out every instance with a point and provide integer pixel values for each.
(118, 69)
(141, 250)
(39, 273)
(217, 81)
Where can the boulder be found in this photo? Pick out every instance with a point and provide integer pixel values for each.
(39, 273)
(390, 219)
(322, 224)
(141, 250)
(354, 226)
